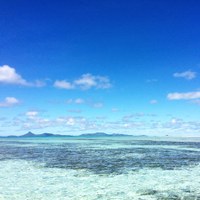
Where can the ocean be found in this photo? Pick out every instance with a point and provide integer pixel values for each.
(100, 168)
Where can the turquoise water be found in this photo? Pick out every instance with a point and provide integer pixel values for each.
(99, 168)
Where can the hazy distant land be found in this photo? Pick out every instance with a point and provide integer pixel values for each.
(97, 134)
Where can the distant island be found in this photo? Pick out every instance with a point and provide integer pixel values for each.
(98, 134)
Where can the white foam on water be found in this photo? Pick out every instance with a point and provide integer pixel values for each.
(24, 180)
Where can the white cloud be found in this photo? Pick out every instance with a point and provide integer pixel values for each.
(185, 96)
(174, 121)
(181, 126)
(32, 114)
(187, 75)
(8, 75)
(85, 82)
(9, 102)
(63, 85)
(103, 82)
(88, 81)
(70, 121)
(79, 101)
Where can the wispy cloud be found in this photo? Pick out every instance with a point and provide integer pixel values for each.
(75, 101)
(181, 126)
(80, 101)
(8, 75)
(88, 81)
(63, 85)
(153, 101)
(85, 82)
(9, 102)
(114, 110)
(74, 110)
(38, 83)
(32, 114)
(97, 105)
(186, 74)
(185, 96)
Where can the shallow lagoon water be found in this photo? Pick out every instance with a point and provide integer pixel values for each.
(99, 168)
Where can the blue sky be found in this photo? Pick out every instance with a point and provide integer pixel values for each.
(72, 67)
